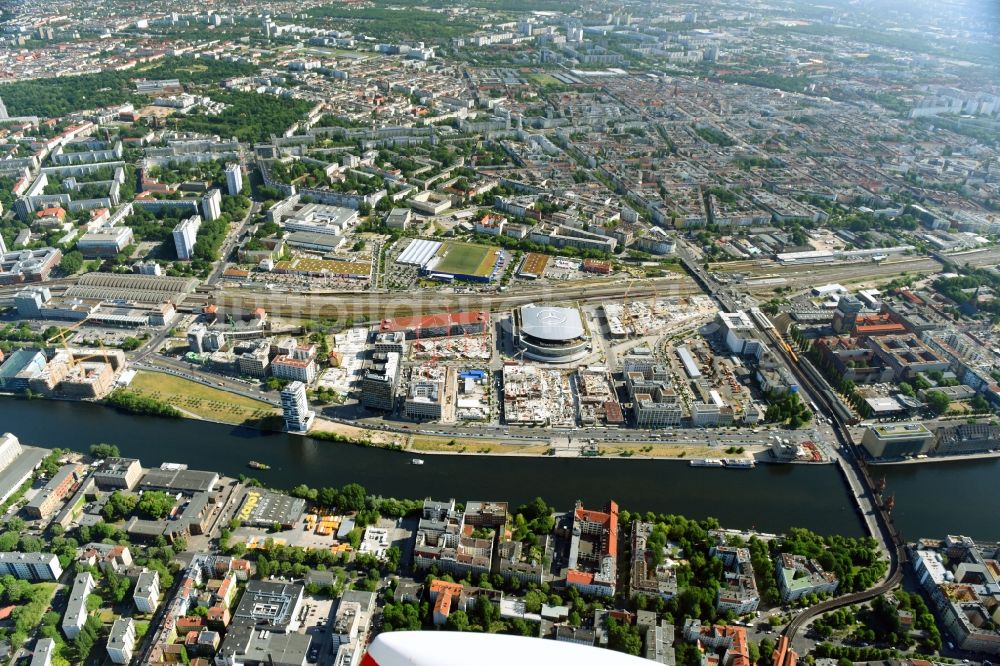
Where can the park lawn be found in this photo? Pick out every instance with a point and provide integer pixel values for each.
(613, 449)
(474, 445)
(198, 399)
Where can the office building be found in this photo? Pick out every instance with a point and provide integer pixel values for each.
(30, 566)
(76, 606)
(118, 473)
(147, 591)
(185, 235)
(962, 581)
(10, 449)
(379, 380)
(263, 627)
(424, 401)
(49, 498)
(800, 576)
(295, 408)
(121, 640)
(211, 205)
(105, 243)
(907, 355)
(897, 440)
(234, 179)
(845, 317)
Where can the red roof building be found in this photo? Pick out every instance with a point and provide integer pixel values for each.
(593, 565)
(441, 325)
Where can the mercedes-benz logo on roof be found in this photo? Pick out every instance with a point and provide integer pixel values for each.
(550, 316)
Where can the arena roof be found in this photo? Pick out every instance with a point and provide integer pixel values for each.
(551, 323)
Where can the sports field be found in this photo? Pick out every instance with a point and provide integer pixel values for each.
(466, 259)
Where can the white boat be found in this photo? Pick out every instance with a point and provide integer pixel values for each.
(739, 463)
(416, 461)
(706, 462)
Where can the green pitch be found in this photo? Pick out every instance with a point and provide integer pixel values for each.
(466, 259)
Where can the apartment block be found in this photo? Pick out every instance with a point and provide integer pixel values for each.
(739, 591)
(147, 591)
(76, 605)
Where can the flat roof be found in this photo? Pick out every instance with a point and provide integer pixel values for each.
(189, 480)
(901, 430)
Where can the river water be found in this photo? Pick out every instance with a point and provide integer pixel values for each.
(931, 500)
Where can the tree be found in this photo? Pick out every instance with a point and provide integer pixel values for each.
(119, 505)
(458, 621)
(937, 401)
(156, 504)
(623, 637)
(104, 451)
(352, 497)
(71, 262)
(117, 586)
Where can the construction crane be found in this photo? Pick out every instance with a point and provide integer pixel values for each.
(626, 315)
(71, 359)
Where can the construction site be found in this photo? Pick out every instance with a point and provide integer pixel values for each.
(660, 316)
(537, 396)
(476, 347)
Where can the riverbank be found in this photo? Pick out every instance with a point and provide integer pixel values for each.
(988, 455)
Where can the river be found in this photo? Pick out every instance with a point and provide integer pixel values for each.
(931, 500)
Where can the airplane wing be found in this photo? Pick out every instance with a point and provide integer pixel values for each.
(445, 648)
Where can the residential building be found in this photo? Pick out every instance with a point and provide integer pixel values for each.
(234, 179)
(295, 369)
(800, 576)
(443, 541)
(109, 558)
(76, 605)
(147, 591)
(783, 654)
(592, 563)
(739, 591)
(121, 640)
(651, 576)
(42, 654)
(185, 235)
(30, 566)
(731, 641)
(295, 408)
(211, 205)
